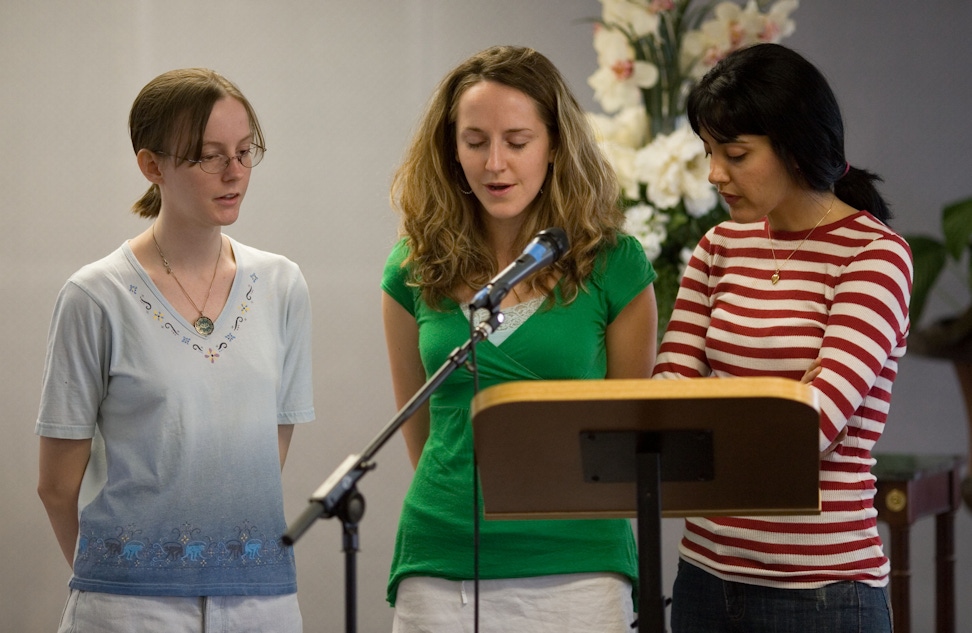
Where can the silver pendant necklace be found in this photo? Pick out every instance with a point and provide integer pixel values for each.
(204, 325)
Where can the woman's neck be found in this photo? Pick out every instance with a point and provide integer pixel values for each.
(189, 247)
(804, 213)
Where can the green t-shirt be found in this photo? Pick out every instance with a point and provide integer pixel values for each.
(435, 531)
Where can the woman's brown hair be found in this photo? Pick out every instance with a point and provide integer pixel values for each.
(170, 115)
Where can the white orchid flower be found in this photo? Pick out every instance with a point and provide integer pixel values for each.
(618, 81)
(639, 18)
(733, 27)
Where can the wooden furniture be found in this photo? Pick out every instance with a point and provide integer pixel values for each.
(626, 448)
(910, 487)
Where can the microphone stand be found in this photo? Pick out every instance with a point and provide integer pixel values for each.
(338, 495)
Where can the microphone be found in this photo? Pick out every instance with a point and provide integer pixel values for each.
(547, 247)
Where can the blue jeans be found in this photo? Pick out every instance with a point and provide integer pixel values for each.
(703, 603)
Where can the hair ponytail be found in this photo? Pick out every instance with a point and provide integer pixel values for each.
(857, 189)
(149, 205)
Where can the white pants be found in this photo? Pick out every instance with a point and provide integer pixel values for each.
(566, 603)
(91, 612)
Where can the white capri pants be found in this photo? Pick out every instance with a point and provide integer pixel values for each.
(90, 612)
(565, 603)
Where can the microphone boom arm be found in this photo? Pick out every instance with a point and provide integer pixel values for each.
(327, 499)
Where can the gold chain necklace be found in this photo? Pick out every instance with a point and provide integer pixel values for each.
(775, 277)
(204, 325)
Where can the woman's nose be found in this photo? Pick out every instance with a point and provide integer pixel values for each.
(717, 174)
(496, 160)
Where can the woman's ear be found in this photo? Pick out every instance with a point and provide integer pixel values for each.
(148, 163)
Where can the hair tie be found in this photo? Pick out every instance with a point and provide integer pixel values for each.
(846, 169)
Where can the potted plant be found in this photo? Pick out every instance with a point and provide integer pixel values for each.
(949, 338)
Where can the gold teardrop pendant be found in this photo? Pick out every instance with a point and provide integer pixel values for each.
(775, 277)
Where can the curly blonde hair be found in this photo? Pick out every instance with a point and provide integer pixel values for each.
(443, 227)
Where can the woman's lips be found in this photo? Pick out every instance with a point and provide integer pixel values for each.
(498, 188)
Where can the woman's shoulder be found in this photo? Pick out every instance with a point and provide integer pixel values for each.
(395, 277)
(866, 232)
(250, 254)
(625, 258)
(624, 247)
(866, 222)
(396, 269)
(106, 268)
(255, 261)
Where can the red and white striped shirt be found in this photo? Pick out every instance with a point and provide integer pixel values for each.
(843, 298)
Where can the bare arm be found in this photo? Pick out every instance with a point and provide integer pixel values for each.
(62, 465)
(284, 433)
(632, 338)
(407, 371)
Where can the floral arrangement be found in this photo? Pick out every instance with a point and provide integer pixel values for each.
(650, 53)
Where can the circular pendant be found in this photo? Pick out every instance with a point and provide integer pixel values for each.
(204, 325)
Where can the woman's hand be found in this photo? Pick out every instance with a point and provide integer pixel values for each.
(812, 372)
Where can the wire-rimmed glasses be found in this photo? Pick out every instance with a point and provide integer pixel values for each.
(217, 163)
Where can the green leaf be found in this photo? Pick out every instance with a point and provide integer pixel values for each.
(957, 225)
(968, 275)
(929, 257)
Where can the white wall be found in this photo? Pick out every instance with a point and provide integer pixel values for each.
(338, 86)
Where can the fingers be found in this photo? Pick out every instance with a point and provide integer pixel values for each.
(812, 372)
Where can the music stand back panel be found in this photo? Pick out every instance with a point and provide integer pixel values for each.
(764, 435)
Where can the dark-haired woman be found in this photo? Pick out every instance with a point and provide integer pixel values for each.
(184, 354)
(805, 282)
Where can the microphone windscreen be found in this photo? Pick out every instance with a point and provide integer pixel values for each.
(557, 237)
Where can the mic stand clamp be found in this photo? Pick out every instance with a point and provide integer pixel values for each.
(338, 495)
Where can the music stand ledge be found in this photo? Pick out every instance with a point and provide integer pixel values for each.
(647, 449)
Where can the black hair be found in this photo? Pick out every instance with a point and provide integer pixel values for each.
(770, 90)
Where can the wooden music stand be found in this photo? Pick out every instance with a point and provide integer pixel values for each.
(647, 449)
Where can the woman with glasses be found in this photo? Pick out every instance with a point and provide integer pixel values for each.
(176, 369)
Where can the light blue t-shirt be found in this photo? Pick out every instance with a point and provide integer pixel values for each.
(192, 504)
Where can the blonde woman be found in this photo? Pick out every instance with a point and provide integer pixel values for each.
(502, 152)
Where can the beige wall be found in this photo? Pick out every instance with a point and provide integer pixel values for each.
(338, 86)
